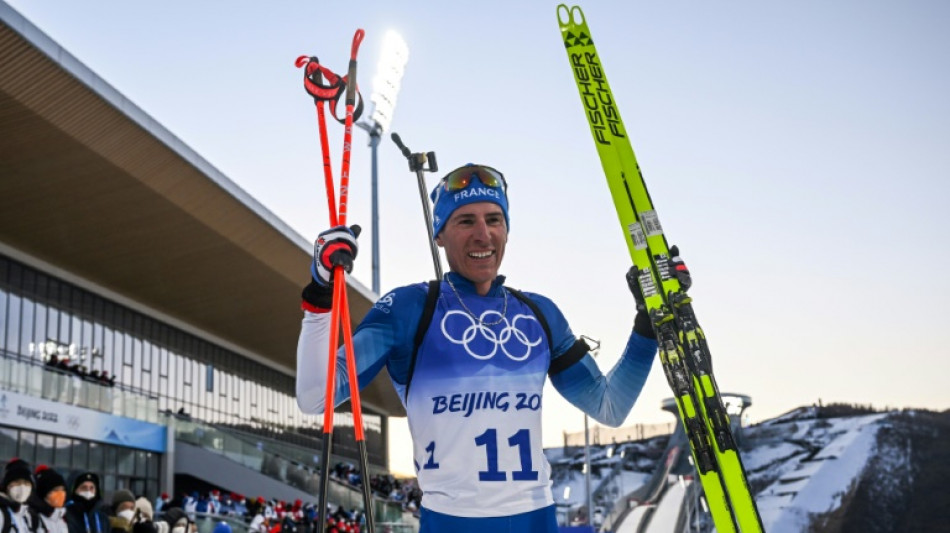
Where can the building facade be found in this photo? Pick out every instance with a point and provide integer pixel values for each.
(121, 341)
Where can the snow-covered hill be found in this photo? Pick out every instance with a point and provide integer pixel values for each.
(831, 469)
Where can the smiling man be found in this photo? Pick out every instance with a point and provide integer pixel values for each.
(476, 354)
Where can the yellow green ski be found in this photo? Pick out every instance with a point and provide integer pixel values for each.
(683, 351)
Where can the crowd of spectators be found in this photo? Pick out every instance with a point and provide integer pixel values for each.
(76, 368)
(41, 501)
(384, 486)
(264, 516)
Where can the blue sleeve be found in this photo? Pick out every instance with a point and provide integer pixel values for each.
(606, 398)
(386, 335)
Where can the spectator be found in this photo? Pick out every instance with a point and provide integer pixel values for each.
(190, 505)
(288, 524)
(83, 514)
(240, 504)
(48, 502)
(123, 510)
(202, 504)
(214, 504)
(143, 517)
(177, 521)
(161, 502)
(15, 489)
(259, 523)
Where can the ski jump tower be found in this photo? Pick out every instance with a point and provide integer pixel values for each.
(736, 404)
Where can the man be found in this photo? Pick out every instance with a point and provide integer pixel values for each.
(15, 489)
(471, 381)
(83, 514)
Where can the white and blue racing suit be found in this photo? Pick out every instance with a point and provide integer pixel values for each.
(475, 396)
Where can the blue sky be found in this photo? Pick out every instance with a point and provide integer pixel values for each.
(796, 152)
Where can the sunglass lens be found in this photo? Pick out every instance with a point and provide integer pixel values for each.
(489, 177)
(458, 179)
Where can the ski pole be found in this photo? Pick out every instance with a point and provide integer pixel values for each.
(417, 162)
(313, 83)
(341, 281)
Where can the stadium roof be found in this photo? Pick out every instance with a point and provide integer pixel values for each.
(92, 185)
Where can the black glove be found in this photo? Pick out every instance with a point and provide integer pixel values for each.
(678, 268)
(675, 266)
(641, 324)
(334, 247)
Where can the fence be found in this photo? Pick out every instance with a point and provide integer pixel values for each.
(600, 435)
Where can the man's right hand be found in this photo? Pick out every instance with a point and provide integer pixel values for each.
(334, 247)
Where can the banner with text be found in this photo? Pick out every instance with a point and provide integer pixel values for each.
(37, 414)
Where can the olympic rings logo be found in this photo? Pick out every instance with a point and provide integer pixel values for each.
(500, 340)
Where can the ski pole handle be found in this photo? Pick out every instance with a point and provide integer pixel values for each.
(351, 73)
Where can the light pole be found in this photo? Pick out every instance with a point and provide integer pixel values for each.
(595, 349)
(386, 83)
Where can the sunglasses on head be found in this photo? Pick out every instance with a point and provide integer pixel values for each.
(461, 177)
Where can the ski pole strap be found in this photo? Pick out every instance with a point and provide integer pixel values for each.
(332, 90)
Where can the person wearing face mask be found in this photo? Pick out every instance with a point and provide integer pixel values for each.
(48, 502)
(83, 513)
(142, 521)
(15, 488)
(123, 509)
(177, 520)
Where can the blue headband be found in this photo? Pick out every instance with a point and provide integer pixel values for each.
(446, 202)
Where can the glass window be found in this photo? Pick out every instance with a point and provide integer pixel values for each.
(136, 380)
(97, 333)
(148, 354)
(151, 489)
(109, 483)
(27, 338)
(45, 446)
(86, 339)
(39, 327)
(209, 378)
(110, 455)
(108, 350)
(27, 450)
(13, 323)
(96, 456)
(80, 455)
(126, 377)
(137, 485)
(152, 466)
(126, 348)
(65, 320)
(163, 361)
(61, 452)
(125, 461)
(3, 323)
(52, 324)
(141, 463)
(8, 442)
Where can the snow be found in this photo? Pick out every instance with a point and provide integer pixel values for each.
(668, 510)
(806, 467)
(817, 486)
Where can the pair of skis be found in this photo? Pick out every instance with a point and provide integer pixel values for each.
(325, 86)
(683, 351)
